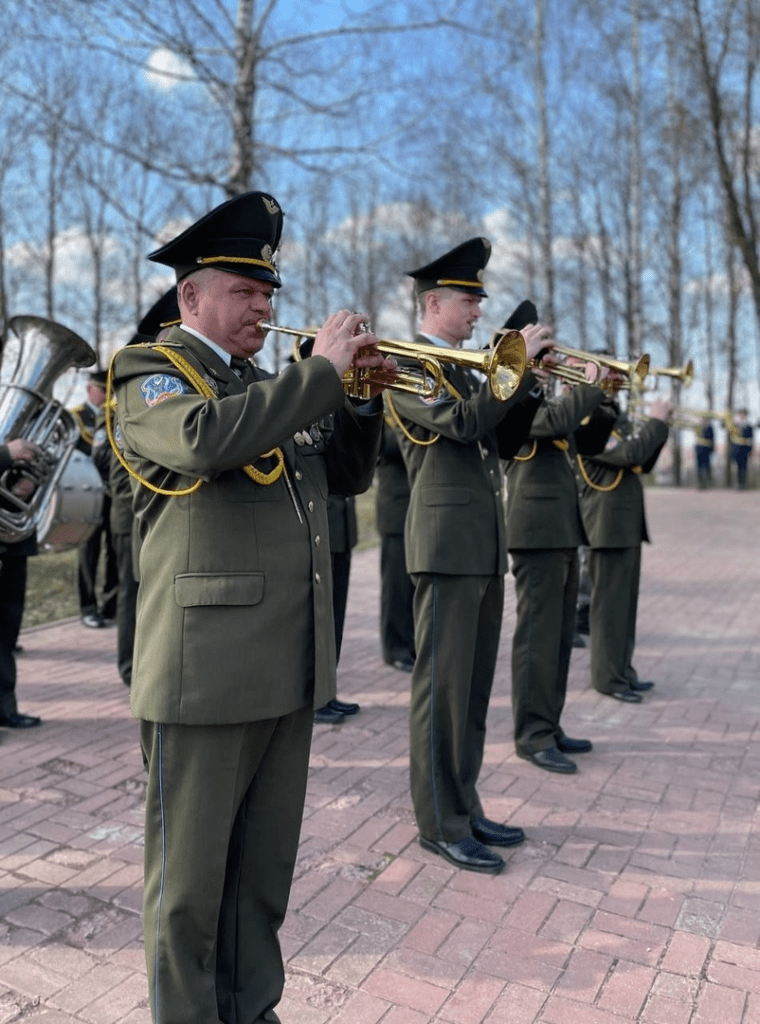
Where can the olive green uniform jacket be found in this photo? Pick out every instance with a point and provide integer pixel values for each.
(234, 619)
(615, 518)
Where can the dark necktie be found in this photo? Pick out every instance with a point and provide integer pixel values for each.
(242, 368)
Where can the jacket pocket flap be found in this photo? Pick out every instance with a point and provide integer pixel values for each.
(236, 588)
(446, 495)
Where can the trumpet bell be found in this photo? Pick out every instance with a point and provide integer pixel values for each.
(683, 374)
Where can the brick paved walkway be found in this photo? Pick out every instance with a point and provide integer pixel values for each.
(635, 898)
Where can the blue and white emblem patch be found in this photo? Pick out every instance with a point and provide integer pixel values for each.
(161, 386)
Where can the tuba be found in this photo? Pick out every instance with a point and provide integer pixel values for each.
(28, 409)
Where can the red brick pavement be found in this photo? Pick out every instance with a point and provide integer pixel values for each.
(635, 897)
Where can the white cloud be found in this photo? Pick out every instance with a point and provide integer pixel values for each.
(166, 70)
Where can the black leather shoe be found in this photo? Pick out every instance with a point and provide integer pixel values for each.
(641, 685)
(467, 853)
(344, 708)
(493, 834)
(567, 745)
(628, 696)
(578, 640)
(403, 664)
(551, 760)
(18, 721)
(328, 716)
(92, 620)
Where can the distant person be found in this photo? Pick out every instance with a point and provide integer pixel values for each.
(95, 611)
(704, 444)
(741, 446)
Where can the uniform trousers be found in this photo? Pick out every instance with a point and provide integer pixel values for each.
(89, 557)
(396, 600)
(12, 597)
(546, 585)
(341, 574)
(458, 623)
(222, 823)
(126, 605)
(615, 576)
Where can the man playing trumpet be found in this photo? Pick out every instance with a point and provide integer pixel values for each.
(235, 643)
(456, 554)
(545, 530)
(612, 507)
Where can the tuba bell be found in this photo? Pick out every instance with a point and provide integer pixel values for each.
(28, 410)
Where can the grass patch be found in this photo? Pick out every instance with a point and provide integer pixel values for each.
(51, 589)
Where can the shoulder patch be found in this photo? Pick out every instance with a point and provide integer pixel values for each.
(161, 386)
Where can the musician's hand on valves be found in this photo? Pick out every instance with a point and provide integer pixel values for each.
(538, 341)
(345, 342)
(21, 450)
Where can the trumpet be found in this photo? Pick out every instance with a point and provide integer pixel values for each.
(635, 372)
(683, 374)
(690, 418)
(503, 364)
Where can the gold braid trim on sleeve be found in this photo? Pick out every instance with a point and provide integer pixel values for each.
(396, 421)
(202, 388)
(529, 456)
(87, 437)
(599, 487)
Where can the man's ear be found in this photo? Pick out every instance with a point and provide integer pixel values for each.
(188, 294)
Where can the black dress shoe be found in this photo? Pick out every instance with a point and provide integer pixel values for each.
(578, 640)
(328, 716)
(15, 720)
(493, 834)
(92, 620)
(567, 745)
(551, 760)
(403, 664)
(641, 685)
(467, 853)
(628, 696)
(343, 707)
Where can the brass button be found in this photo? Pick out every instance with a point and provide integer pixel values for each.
(317, 578)
(299, 475)
(317, 541)
(311, 506)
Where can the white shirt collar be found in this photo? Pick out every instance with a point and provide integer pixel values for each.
(436, 340)
(224, 356)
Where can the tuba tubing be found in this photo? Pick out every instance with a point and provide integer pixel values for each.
(28, 409)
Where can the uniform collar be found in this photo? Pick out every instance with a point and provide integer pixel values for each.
(222, 353)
